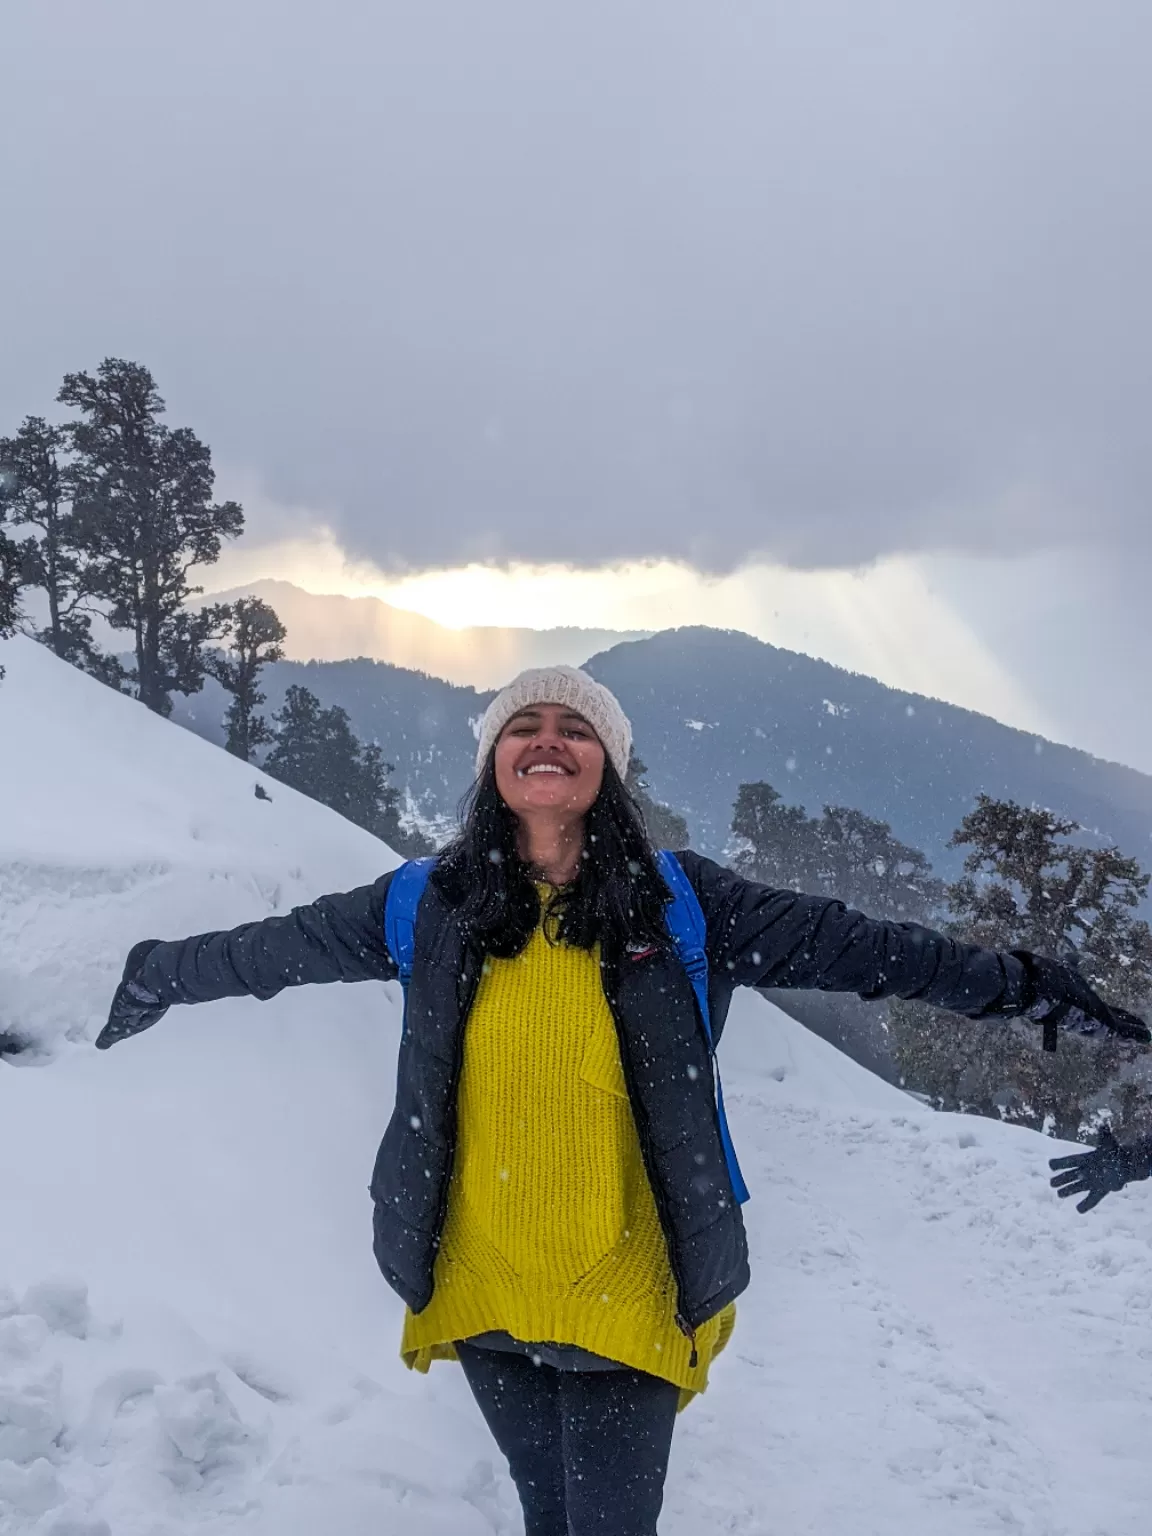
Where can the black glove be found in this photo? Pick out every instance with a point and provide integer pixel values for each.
(135, 1007)
(1096, 1174)
(1059, 996)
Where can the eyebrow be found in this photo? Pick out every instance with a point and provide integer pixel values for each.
(534, 714)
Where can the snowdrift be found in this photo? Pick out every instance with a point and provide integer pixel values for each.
(194, 1337)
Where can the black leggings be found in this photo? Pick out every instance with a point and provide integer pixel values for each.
(588, 1450)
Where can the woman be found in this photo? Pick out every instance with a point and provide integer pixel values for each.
(553, 1198)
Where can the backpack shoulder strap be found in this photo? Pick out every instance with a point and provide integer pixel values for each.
(400, 908)
(688, 931)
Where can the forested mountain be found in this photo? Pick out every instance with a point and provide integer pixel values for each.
(713, 709)
(423, 724)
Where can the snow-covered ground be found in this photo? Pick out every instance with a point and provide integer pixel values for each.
(196, 1338)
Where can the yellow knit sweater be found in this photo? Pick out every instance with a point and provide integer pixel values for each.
(552, 1233)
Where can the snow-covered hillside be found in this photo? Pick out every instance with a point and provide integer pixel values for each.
(931, 1345)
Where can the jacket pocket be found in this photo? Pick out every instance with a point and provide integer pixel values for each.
(407, 1177)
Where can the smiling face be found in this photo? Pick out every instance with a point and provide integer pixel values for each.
(548, 760)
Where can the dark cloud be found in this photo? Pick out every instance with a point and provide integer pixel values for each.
(583, 282)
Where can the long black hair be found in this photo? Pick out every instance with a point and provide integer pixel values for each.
(619, 889)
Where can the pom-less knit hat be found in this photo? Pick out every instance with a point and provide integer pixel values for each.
(560, 685)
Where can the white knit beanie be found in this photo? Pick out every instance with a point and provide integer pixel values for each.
(560, 685)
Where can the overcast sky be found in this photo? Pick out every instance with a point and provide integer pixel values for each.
(811, 283)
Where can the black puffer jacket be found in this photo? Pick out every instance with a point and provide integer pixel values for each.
(756, 937)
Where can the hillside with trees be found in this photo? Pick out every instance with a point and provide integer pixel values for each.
(713, 710)
(103, 519)
(716, 709)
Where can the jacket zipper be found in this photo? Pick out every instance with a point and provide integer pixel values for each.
(690, 1335)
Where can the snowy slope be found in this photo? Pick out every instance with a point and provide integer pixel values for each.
(931, 1344)
(113, 825)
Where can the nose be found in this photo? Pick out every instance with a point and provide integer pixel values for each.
(549, 740)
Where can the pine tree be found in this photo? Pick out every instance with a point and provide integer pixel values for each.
(9, 588)
(775, 843)
(35, 494)
(666, 828)
(317, 753)
(255, 635)
(863, 864)
(841, 853)
(1027, 885)
(144, 492)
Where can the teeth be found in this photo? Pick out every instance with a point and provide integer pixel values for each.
(542, 768)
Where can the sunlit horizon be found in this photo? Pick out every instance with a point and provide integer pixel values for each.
(887, 620)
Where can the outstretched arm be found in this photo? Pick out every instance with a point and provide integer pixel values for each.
(764, 937)
(336, 938)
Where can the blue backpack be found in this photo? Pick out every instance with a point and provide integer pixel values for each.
(686, 928)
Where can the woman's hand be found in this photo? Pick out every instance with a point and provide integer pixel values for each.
(1099, 1173)
(134, 1006)
(1060, 997)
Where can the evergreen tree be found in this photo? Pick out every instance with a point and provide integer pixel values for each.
(317, 753)
(842, 853)
(1027, 885)
(144, 492)
(35, 495)
(863, 864)
(9, 588)
(665, 827)
(775, 842)
(255, 636)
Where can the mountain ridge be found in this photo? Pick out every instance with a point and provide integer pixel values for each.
(335, 627)
(715, 708)
(824, 735)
